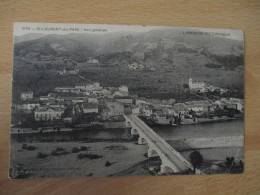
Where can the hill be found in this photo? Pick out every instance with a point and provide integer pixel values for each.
(166, 58)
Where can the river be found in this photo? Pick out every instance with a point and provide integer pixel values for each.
(217, 130)
(182, 138)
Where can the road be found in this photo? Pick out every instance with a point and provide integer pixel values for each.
(175, 157)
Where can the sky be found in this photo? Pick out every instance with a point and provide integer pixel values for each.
(22, 28)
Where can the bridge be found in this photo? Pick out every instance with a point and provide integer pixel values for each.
(172, 161)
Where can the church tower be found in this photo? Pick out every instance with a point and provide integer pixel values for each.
(190, 83)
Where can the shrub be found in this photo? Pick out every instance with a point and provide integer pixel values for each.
(58, 149)
(107, 164)
(42, 155)
(75, 150)
(116, 147)
(31, 147)
(58, 153)
(83, 148)
(89, 156)
(24, 146)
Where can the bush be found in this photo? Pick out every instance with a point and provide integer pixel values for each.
(75, 150)
(42, 155)
(58, 153)
(58, 149)
(89, 156)
(107, 164)
(24, 146)
(116, 147)
(31, 148)
(83, 148)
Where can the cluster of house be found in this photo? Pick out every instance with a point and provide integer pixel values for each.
(68, 71)
(135, 65)
(92, 61)
(164, 114)
(64, 102)
(84, 99)
(202, 87)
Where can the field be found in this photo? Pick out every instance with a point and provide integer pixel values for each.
(120, 155)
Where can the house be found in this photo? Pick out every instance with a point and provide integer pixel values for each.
(46, 98)
(77, 100)
(67, 120)
(89, 87)
(27, 107)
(224, 103)
(27, 95)
(67, 90)
(123, 88)
(92, 99)
(136, 110)
(59, 99)
(124, 100)
(105, 92)
(133, 66)
(113, 109)
(31, 106)
(56, 106)
(68, 71)
(196, 85)
(170, 111)
(121, 93)
(48, 114)
(161, 118)
(198, 106)
(239, 103)
(97, 92)
(222, 90)
(90, 108)
(147, 111)
(180, 108)
(92, 61)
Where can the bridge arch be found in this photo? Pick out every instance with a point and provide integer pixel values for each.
(128, 124)
(134, 131)
(153, 153)
(167, 169)
(142, 140)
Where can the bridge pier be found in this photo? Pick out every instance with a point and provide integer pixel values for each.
(134, 132)
(166, 169)
(141, 141)
(152, 153)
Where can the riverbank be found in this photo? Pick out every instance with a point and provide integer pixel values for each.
(87, 135)
(120, 155)
(207, 142)
(206, 120)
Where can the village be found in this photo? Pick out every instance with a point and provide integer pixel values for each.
(86, 105)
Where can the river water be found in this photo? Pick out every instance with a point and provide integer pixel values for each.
(216, 129)
(206, 130)
(171, 134)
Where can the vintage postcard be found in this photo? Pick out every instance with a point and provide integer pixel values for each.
(118, 100)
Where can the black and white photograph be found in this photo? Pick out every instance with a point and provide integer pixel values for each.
(94, 100)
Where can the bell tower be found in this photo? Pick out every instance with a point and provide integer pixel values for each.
(190, 83)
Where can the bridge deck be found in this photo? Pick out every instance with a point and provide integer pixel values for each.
(175, 157)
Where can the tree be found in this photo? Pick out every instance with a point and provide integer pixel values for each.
(185, 86)
(229, 163)
(196, 159)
